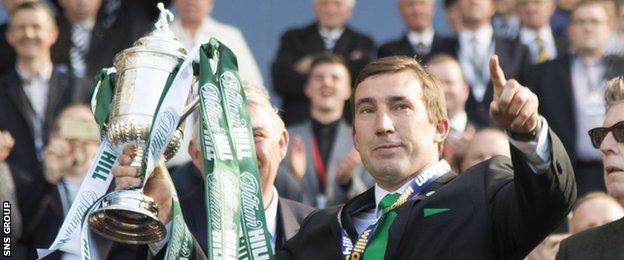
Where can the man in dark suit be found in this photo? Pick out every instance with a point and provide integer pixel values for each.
(283, 216)
(399, 126)
(570, 89)
(93, 32)
(477, 42)
(420, 40)
(34, 91)
(325, 168)
(607, 241)
(536, 32)
(329, 33)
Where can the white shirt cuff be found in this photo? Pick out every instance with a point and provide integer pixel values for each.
(537, 151)
(157, 246)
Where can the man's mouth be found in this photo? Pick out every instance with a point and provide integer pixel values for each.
(388, 146)
(612, 169)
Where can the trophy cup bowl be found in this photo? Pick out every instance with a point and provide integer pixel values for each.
(129, 216)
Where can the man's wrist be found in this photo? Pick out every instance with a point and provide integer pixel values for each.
(527, 137)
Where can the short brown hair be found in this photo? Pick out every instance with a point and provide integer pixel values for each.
(329, 58)
(605, 4)
(593, 195)
(34, 5)
(432, 93)
(615, 92)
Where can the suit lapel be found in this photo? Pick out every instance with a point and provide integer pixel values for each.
(287, 221)
(407, 212)
(17, 95)
(407, 46)
(315, 42)
(364, 201)
(342, 146)
(57, 88)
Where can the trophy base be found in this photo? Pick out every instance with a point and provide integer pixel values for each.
(129, 217)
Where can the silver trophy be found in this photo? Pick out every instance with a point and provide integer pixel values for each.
(128, 216)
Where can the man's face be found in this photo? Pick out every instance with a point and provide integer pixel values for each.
(504, 7)
(271, 143)
(193, 10)
(417, 14)
(535, 14)
(328, 86)
(83, 146)
(80, 10)
(31, 33)
(613, 154)
(485, 145)
(391, 128)
(595, 212)
(332, 13)
(451, 80)
(589, 28)
(476, 11)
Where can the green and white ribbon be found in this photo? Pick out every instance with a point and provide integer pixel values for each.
(93, 187)
(232, 181)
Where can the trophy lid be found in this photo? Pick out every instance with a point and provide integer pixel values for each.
(161, 39)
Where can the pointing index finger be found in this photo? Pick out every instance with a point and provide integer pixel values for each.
(498, 76)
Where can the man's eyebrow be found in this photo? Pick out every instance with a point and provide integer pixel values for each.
(363, 101)
(396, 98)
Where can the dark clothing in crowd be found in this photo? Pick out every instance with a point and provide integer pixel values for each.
(18, 116)
(495, 211)
(325, 136)
(552, 83)
(515, 59)
(356, 48)
(559, 22)
(403, 47)
(603, 242)
(7, 54)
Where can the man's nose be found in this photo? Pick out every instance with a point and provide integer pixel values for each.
(609, 144)
(383, 124)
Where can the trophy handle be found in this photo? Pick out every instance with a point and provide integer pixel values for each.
(188, 110)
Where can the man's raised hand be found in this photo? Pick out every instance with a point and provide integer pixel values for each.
(514, 107)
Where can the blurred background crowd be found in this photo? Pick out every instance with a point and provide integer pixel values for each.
(307, 54)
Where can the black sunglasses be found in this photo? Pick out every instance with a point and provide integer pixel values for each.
(598, 134)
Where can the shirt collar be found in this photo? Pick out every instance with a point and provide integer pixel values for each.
(425, 37)
(331, 33)
(44, 73)
(271, 213)
(483, 34)
(527, 36)
(380, 193)
(86, 24)
(459, 121)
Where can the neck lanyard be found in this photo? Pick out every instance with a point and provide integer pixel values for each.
(417, 185)
(319, 165)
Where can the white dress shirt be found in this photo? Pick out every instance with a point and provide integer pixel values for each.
(528, 37)
(479, 51)
(425, 38)
(36, 88)
(330, 37)
(537, 153)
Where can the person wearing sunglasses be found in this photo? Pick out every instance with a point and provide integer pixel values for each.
(607, 241)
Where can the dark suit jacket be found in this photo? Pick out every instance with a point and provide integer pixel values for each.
(402, 47)
(497, 211)
(515, 59)
(356, 48)
(552, 83)
(603, 242)
(7, 54)
(114, 31)
(42, 212)
(190, 185)
(16, 114)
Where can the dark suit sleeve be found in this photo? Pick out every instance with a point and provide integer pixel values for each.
(124, 251)
(562, 254)
(367, 47)
(529, 206)
(286, 81)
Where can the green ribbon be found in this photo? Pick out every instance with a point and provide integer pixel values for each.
(104, 85)
(232, 181)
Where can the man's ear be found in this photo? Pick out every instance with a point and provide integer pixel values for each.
(442, 130)
(283, 143)
(355, 143)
